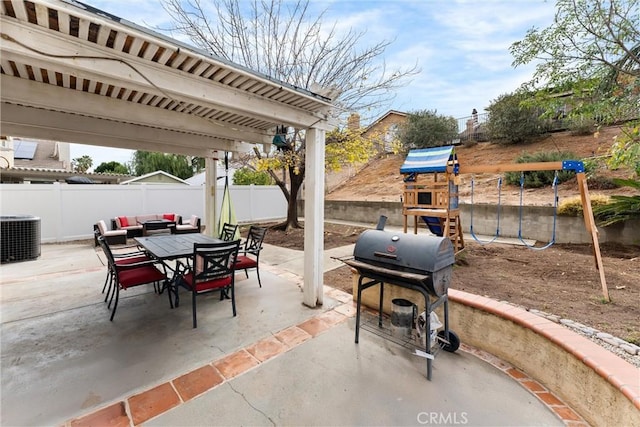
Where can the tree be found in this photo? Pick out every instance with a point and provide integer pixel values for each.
(426, 128)
(81, 164)
(625, 151)
(178, 165)
(112, 167)
(280, 39)
(249, 176)
(591, 50)
(512, 120)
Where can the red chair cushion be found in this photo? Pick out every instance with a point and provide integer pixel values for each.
(170, 217)
(206, 286)
(139, 276)
(131, 260)
(244, 262)
(124, 222)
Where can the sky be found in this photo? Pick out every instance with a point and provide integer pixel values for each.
(461, 48)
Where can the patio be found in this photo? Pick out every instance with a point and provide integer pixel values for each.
(277, 362)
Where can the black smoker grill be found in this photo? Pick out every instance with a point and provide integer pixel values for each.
(423, 263)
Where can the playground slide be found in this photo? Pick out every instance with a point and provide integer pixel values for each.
(433, 223)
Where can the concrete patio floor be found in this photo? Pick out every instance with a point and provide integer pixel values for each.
(62, 360)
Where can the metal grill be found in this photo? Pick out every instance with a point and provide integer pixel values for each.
(422, 263)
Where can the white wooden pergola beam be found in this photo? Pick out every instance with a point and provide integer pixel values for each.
(45, 124)
(48, 96)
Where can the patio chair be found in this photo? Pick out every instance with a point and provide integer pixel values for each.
(129, 275)
(228, 232)
(192, 226)
(250, 254)
(132, 254)
(208, 270)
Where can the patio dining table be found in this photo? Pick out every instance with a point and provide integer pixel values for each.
(173, 246)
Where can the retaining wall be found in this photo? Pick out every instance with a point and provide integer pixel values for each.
(537, 221)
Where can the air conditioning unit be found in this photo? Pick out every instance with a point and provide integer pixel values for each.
(20, 238)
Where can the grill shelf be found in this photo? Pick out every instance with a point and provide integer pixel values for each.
(369, 323)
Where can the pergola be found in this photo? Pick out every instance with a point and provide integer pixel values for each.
(73, 73)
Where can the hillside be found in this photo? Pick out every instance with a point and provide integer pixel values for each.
(380, 180)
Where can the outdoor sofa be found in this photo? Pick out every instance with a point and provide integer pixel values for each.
(191, 226)
(112, 237)
(133, 224)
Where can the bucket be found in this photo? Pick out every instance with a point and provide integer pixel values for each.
(402, 315)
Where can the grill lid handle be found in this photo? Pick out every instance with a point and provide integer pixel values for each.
(385, 255)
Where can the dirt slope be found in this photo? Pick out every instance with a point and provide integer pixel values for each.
(380, 180)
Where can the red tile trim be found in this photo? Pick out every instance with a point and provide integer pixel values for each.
(567, 415)
(153, 402)
(114, 415)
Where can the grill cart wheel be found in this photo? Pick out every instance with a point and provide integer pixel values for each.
(454, 341)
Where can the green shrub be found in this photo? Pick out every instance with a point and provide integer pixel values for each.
(580, 126)
(620, 208)
(511, 121)
(427, 128)
(599, 182)
(538, 179)
(572, 206)
(248, 176)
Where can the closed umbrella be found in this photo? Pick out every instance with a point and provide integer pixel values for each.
(227, 213)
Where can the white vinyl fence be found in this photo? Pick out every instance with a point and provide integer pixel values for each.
(68, 212)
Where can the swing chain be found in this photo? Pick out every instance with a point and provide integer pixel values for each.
(555, 213)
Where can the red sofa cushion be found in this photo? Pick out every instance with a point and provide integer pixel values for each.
(124, 222)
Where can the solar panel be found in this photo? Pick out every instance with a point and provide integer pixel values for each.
(24, 149)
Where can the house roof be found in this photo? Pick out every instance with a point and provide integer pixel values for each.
(384, 116)
(149, 179)
(45, 156)
(73, 73)
(47, 174)
(199, 178)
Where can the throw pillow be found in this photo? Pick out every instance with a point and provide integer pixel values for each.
(124, 222)
(170, 217)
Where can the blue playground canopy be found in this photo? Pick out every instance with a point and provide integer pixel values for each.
(427, 160)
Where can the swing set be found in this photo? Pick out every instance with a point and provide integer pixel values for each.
(431, 193)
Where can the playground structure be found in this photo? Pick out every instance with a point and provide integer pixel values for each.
(431, 182)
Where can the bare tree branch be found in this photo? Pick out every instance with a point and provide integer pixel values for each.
(281, 39)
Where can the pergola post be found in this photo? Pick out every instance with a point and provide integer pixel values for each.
(210, 195)
(314, 218)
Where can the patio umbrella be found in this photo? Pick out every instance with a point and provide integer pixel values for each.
(227, 213)
(78, 180)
